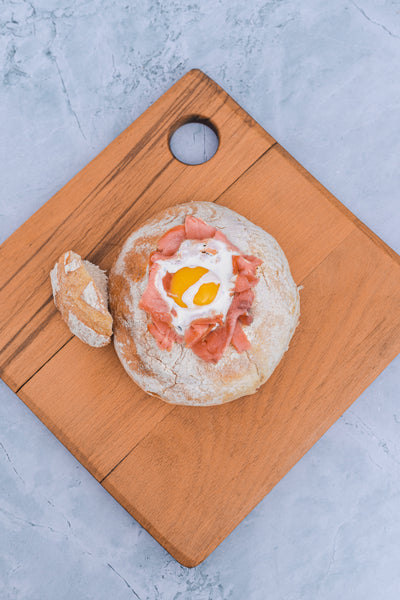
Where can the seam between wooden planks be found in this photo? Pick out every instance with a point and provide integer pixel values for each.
(45, 363)
(43, 323)
(177, 406)
(185, 96)
(245, 171)
(327, 195)
(170, 161)
(176, 107)
(178, 553)
(180, 175)
(173, 407)
(339, 205)
(180, 100)
(325, 257)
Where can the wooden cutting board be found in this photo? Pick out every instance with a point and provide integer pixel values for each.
(190, 475)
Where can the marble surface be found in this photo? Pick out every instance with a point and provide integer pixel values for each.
(323, 79)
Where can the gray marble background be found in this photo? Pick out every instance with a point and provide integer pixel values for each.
(324, 79)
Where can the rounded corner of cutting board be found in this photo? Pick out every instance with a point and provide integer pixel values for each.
(187, 560)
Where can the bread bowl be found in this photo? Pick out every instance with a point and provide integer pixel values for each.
(176, 374)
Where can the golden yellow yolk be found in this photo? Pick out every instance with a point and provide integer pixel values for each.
(183, 279)
(206, 293)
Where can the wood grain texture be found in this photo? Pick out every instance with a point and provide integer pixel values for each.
(90, 404)
(288, 204)
(220, 462)
(130, 180)
(189, 475)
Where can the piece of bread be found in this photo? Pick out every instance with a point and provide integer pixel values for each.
(179, 376)
(80, 294)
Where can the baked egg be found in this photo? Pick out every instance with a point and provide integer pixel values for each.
(197, 281)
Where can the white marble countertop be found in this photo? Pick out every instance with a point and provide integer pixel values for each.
(323, 79)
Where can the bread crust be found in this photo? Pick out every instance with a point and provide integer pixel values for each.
(80, 294)
(179, 376)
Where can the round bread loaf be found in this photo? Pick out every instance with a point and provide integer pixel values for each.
(179, 376)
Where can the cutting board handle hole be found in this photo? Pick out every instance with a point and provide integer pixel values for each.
(193, 140)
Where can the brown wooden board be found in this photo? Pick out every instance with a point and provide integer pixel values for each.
(189, 475)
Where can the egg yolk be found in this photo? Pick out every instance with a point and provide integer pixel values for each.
(206, 293)
(183, 279)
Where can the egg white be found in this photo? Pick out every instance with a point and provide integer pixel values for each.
(194, 253)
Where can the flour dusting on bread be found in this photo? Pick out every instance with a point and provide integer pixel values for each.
(100, 279)
(179, 376)
(84, 333)
(91, 296)
(54, 280)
